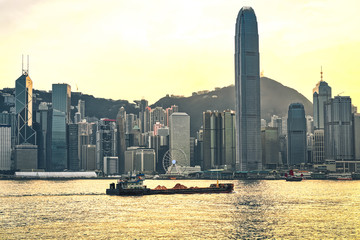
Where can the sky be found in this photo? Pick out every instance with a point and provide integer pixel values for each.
(122, 49)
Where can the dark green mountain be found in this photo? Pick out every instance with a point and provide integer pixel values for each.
(275, 100)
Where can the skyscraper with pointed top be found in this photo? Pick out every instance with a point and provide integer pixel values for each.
(321, 94)
(247, 87)
(24, 108)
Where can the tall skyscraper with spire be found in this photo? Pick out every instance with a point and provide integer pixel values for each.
(247, 85)
(321, 94)
(26, 151)
(24, 109)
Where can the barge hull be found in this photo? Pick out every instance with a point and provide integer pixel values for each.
(140, 192)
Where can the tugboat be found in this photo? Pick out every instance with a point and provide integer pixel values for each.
(135, 187)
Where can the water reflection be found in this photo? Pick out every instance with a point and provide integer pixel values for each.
(257, 209)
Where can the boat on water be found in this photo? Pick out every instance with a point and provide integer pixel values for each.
(292, 178)
(135, 187)
(344, 178)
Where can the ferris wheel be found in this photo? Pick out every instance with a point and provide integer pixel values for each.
(174, 160)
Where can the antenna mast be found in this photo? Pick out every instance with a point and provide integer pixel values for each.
(24, 72)
(321, 75)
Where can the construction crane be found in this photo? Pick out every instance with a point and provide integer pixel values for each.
(340, 93)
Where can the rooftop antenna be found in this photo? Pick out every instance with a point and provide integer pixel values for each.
(24, 71)
(321, 74)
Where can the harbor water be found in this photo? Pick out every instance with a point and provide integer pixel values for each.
(75, 209)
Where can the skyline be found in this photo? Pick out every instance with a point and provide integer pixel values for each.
(176, 48)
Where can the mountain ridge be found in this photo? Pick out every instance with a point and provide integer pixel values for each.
(275, 100)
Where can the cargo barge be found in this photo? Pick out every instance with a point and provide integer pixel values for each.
(135, 187)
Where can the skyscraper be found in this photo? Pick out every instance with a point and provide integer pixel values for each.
(219, 140)
(121, 129)
(321, 94)
(56, 155)
(5, 147)
(57, 152)
(180, 137)
(338, 132)
(61, 99)
(24, 109)
(81, 108)
(106, 144)
(296, 127)
(247, 87)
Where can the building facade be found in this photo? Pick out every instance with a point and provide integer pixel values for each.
(296, 127)
(338, 132)
(106, 141)
(321, 94)
(5, 147)
(247, 86)
(24, 109)
(180, 137)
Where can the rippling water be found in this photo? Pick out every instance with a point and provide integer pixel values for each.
(76, 209)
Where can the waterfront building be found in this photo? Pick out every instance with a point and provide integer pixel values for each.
(73, 147)
(5, 147)
(145, 160)
(10, 119)
(357, 136)
(26, 157)
(111, 165)
(318, 147)
(24, 109)
(296, 127)
(321, 94)
(270, 147)
(160, 144)
(211, 140)
(228, 143)
(121, 130)
(338, 131)
(247, 86)
(180, 137)
(56, 155)
(106, 141)
(84, 131)
(88, 157)
(42, 117)
(218, 140)
(25, 154)
(140, 160)
(283, 149)
(61, 99)
(57, 152)
(310, 142)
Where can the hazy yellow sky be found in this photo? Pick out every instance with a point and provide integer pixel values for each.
(148, 48)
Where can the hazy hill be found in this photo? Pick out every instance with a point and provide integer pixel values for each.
(275, 99)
